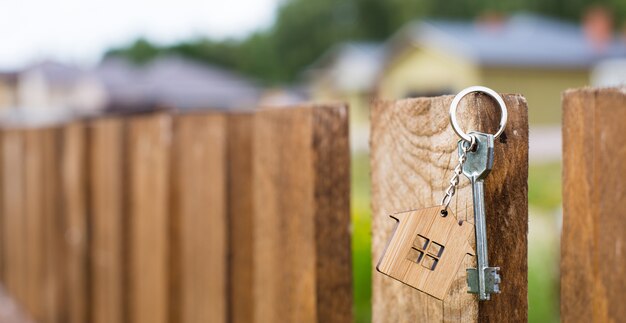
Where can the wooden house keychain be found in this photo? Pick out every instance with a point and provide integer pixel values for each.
(428, 245)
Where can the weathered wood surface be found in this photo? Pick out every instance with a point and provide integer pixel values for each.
(302, 270)
(2, 215)
(73, 200)
(413, 153)
(34, 242)
(33, 249)
(593, 262)
(53, 292)
(13, 212)
(199, 226)
(240, 216)
(188, 218)
(149, 144)
(108, 292)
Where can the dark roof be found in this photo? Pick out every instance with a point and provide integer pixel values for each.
(522, 40)
(177, 83)
(10, 77)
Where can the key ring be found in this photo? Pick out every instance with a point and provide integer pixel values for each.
(463, 93)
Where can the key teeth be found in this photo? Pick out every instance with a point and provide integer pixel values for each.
(492, 283)
(495, 277)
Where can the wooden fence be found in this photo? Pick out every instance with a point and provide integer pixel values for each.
(206, 217)
(593, 242)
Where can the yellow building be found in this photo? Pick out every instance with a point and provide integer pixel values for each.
(531, 55)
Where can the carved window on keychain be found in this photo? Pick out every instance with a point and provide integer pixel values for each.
(426, 252)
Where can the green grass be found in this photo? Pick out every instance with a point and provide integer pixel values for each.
(361, 241)
(544, 199)
(544, 196)
(543, 270)
(544, 186)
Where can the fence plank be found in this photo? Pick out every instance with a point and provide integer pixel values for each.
(240, 216)
(13, 210)
(108, 240)
(149, 151)
(74, 213)
(36, 289)
(2, 218)
(302, 267)
(413, 152)
(199, 245)
(53, 292)
(593, 265)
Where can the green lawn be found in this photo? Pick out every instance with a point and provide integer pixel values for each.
(544, 201)
(361, 239)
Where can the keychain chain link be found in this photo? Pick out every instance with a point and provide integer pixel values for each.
(458, 170)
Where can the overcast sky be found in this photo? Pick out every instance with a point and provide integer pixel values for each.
(79, 31)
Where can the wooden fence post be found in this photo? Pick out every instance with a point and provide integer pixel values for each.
(33, 217)
(13, 213)
(593, 260)
(199, 228)
(149, 144)
(413, 153)
(108, 241)
(301, 249)
(53, 291)
(240, 218)
(73, 201)
(3, 260)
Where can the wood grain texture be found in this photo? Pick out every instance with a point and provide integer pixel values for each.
(413, 153)
(53, 292)
(149, 141)
(73, 203)
(108, 241)
(593, 263)
(199, 228)
(302, 264)
(240, 218)
(13, 209)
(427, 250)
(2, 217)
(35, 240)
(331, 161)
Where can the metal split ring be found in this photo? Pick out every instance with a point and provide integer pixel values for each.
(463, 93)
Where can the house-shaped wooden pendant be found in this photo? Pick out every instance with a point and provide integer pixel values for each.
(426, 250)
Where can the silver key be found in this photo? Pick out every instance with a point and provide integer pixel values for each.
(483, 280)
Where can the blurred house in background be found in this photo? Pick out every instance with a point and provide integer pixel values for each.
(8, 90)
(529, 54)
(347, 72)
(173, 82)
(57, 87)
(51, 91)
(536, 56)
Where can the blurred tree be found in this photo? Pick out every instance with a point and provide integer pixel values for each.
(141, 51)
(304, 29)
